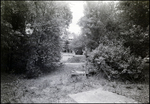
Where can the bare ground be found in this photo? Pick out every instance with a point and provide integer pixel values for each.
(55, 87)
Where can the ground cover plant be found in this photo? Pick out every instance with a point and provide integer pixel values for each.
(110, 52)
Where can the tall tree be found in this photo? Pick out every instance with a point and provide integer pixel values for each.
(13, 15)
(133, 17)
(134, 13)
(47, 18)
(98, 18)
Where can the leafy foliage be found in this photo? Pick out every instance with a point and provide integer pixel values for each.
(138, 41)
(117, 36)
(13, 37)
(98, 18)
(32, 54)
(133, 18)
(115, 61)
(78, 43)
(133, 13)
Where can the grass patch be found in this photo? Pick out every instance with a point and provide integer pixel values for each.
(137, 91)
(54, 87)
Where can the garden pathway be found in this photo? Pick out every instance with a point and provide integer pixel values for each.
(97, 95)
(59, 87)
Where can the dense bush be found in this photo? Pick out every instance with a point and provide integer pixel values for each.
(138, 40)
(133, 18)
(34, 53)
(13, 39)
(133, 13)
(117, 37)
(115, 61)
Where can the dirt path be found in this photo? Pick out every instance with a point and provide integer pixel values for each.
(55, 87)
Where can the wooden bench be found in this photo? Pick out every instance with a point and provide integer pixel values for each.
(82, 73)
(78, 73)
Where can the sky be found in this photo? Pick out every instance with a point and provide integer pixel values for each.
(77, 12)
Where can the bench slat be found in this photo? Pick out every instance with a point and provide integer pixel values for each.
(78, 72)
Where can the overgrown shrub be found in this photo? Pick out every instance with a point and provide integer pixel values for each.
(116, 61)
(30, 53)
(138, 40)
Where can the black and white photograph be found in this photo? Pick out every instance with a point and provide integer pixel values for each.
(74, 51)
